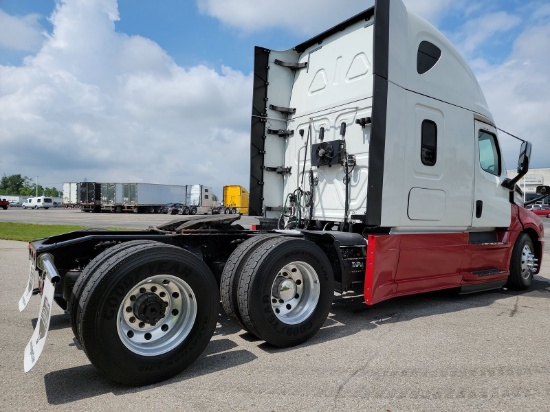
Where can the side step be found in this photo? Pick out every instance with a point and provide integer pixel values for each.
(480, 280)
(479, 287)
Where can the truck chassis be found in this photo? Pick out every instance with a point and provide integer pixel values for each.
(152, 296)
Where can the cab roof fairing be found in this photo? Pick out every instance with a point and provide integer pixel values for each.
(450, 80)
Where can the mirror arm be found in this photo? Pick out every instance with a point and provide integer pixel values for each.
(511, 183)
(535, 200)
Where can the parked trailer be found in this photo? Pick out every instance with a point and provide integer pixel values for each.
(235, 199)
(111, 197)
(89, 198)
(148, 197)
(374, 152)
(70, 195)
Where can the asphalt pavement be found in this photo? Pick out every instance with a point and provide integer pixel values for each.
(430, 352)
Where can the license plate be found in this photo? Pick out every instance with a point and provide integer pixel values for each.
(38, 340)
(27, 294)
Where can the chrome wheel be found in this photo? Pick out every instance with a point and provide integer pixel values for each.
(295, 292)
(157, 315)
(529, 263)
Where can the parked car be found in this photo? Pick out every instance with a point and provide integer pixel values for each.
(540, 210)
(171, 208)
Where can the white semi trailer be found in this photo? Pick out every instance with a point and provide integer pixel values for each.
(377, 162)
(149, 197)
(70, 194)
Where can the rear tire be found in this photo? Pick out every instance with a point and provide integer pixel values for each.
(229, 281)
(150, 315)
(285, 291)
(523, 263)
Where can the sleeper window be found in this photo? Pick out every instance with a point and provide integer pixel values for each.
(427, 56)
(428, 149)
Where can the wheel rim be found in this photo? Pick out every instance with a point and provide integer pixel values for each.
(295, 292)
(156, 315)
(528, 262)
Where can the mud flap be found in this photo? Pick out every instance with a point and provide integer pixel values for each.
(27, 294)
(38, 340)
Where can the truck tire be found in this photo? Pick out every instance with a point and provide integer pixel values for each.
(229, 281)
(523, 263)
(148, 316)
(73, 305)
(193, 211)
(285, 291)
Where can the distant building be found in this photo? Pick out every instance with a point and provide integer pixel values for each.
(529, 183)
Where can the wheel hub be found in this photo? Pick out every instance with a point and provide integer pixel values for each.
(295, 292)
(529, 263)
(156, 315)
(284, 289)
(149, 308)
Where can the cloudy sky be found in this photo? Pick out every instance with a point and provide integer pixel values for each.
(160, 91)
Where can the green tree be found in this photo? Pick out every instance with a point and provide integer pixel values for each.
(13, 184)
(52, 192)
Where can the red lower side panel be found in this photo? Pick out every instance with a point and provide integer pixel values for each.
(406, 264)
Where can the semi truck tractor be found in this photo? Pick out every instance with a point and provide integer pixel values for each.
(376, 169)
(200, 200)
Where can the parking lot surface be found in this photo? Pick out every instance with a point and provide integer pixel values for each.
(430, 352)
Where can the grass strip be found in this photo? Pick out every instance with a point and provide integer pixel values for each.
(26, 232)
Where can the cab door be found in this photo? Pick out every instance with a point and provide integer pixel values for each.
(491, 206)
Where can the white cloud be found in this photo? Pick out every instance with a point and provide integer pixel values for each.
(478, 30)
(304, 17)
(20, 33)
(430, 10)
(101, 105)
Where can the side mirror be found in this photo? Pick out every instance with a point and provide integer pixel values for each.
(524, 157)
(543, 190)
(523, 166)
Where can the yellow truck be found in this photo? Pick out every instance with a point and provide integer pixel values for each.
(235, 199)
